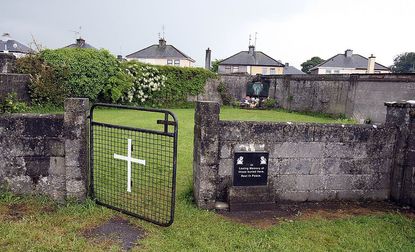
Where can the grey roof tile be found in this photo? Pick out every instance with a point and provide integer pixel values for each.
(245, 58)
(159, 52)
(14, 46)
(355, 61)
(292, 70)
(80, 43)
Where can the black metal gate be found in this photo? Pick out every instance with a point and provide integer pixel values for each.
(133, 170)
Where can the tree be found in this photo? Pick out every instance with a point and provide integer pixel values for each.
(314, 61)
(404, 63)
(215, 65)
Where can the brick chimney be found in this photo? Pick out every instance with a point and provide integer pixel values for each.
(251, 49)
(162, 42)
(371, 64)
(348, 53)
(208, 58)
(80, 42)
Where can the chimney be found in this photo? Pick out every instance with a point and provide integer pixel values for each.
(251, 49)
(348, 53)
(287, 64)
(208, 58)
(80, 42)
(162, 42)
(119, 57)
(371, 64)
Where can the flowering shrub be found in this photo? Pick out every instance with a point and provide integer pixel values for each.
(146, 80)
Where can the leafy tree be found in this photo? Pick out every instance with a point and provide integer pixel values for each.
(404, 63)
(215, 65)
(314, 61)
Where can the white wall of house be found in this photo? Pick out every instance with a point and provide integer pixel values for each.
(340, 70)
(165, 62)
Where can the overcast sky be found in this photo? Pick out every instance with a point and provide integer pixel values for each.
(290, 31)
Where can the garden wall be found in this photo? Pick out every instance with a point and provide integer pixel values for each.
(360, 96)
(307, 162)
(46, 154)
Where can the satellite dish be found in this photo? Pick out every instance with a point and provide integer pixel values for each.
(15, 46)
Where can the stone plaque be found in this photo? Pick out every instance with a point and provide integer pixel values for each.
(250, 168)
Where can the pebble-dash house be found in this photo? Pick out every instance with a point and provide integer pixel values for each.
(252, 62)
(162, 54)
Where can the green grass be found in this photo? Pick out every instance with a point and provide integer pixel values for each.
(195, 229)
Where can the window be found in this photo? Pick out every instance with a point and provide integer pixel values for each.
(177, 62)
(272, 70)
(264, 70)
(336, 71)
(328, 71)
(227, 69)
(235, 69)
(169, 62)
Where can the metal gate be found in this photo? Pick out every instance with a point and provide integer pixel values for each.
(133, 170)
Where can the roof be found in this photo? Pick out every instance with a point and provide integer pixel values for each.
(354, 61)
(14, 47)
(158, 51)
(244, 58)
(292, 70)
(80, 43)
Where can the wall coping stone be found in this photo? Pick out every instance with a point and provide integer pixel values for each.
(401, 104)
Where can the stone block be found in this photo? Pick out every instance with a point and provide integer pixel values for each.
(225, 167)
(248, 194)
(57, 166)
(37, 167)
(297, 150)
(295, 196)
(345, 150)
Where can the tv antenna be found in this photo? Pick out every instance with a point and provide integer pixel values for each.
(78, 32)
(163, 30)
(256, 33)
(250, 39)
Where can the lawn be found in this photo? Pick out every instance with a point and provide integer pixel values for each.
(40, 225)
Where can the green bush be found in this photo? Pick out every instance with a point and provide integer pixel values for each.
(270, 103)
(12, 105)
(178, 84)
(74, 72)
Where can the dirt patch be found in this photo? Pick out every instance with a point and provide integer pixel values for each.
(308, 210)
(116, 230)
(17, 211)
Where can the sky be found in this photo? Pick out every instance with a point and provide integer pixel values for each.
(289, 31)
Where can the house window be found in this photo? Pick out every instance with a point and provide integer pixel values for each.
(272, 70)
(227, 69)
(177, 62)
(328, 71)
(336, 71)
(169, 62)
(235, 69)
(264, 70)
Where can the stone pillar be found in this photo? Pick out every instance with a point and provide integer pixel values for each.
(76, 147)
(401, 115)
(206, 153)
(7, 62)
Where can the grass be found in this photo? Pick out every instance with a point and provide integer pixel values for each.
(45, 226)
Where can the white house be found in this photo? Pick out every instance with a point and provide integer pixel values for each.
(162, 54)
(349, 63)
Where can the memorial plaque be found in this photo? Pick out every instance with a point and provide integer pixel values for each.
(250, 168)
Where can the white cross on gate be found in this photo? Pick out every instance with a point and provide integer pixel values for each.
(129, 160)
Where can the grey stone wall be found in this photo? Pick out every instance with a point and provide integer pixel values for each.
(45, 154)
(360, 96)
(401, 116)
(307, 162)
(15, 83)
(7, 62)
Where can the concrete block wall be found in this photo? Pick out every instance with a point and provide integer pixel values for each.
(307, 162)
(15, 83)
(46, 154)
(360, 96)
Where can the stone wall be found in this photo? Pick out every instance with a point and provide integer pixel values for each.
(15, 83)
(360, 96)
(307, 162)
(46, 154)
(7, 62)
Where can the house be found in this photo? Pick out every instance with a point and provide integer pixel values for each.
(291, 70)
(14, 47)
(162, 54)
(80, 43)
(251, 62)
(349, 63)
